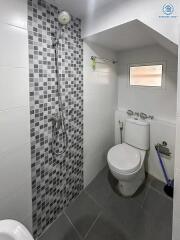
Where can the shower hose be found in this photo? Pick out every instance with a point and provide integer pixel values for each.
(60, 124)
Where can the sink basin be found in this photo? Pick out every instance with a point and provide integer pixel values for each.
(13, 230)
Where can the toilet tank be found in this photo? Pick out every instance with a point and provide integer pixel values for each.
(137, 133)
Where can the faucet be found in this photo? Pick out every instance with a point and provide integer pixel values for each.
(145, 116)
(56, 120)
(130, 112)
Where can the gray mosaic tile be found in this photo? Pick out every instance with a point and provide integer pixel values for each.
(56, 181)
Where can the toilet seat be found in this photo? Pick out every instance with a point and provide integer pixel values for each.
(124, 159)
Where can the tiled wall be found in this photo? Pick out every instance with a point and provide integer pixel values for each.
(56, 181)
(160, 130)
(163, 126)
(131, 97)
(100, 101)
(15, 174)
(176, 203)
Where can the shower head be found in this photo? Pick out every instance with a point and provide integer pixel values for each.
(64, 17)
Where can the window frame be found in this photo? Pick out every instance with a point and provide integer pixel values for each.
(148, 64)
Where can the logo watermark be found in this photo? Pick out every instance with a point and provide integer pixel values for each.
(168, 11)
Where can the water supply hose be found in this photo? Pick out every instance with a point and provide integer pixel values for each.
(60, 114)
(121, 130)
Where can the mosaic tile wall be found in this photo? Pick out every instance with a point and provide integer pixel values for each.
(56, 181)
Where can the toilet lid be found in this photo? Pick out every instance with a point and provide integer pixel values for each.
(124, 158)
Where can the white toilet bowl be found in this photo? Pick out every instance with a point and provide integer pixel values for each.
(13, 230)
(126, 163)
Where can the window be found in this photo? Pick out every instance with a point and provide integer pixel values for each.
(147, 75)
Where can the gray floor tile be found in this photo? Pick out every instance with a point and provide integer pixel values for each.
(142, 226)
(142, 191)
(157, 185)
(141, 223)
(159, 207)
(100, 212)
(106, 228)
(123, 210)
(61, 229)
(137, 224)
(159, 231)
(105, 185)
(82, 213)
(101, 188)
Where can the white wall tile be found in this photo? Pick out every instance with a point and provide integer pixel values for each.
(13, 46)
(160, 130)
(99, 103)
(176, 203)
(14, 87)
(15, 158)
(18, 205)
(14, 128)
(176, 229)
(160, 102)
(14, 12)
(178, 100)
(178, 88)
(177, 194)
(177, 149)
(27, 221)
(15, 170)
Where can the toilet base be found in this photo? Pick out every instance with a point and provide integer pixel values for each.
(129, 188)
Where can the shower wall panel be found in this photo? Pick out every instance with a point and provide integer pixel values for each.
(56, 181)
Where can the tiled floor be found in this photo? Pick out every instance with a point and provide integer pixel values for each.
(99, 213)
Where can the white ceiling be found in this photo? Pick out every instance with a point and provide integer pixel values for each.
(81, 8)
(131, 35)
(125, 36)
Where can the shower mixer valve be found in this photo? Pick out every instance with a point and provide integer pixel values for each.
(56, 120)
(130, 112)
(136, 114)
(142, 115)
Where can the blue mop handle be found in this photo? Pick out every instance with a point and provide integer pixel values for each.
(162, 166)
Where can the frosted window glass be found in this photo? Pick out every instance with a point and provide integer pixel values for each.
(150, 76)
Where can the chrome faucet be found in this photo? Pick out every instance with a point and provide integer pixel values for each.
(151, 117)
(143, 116)
(56, 120)
(130, 112)
(136, 114)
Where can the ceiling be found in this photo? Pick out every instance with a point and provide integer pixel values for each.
(125, 36)
(81, 8)
(131, 35)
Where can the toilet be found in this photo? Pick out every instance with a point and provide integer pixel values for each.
(126, 160)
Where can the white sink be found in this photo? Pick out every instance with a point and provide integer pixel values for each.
(13, 230)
